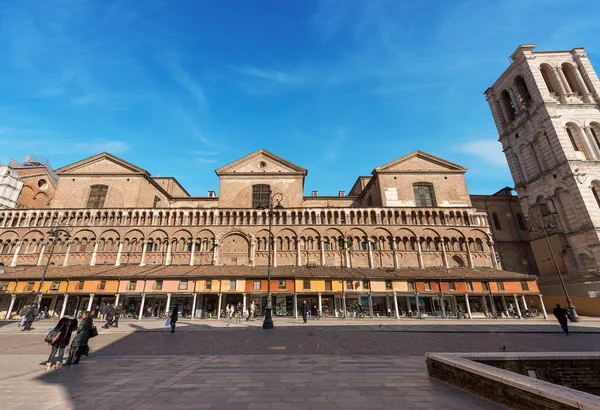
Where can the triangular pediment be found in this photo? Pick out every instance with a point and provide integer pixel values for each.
(419, 161)
(101, 164)
(261, 162)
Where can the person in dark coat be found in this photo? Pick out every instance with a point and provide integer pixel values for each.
(30, 317)
(174, 317)
(110, 314)
(117, 315)
(304, 310)
(563, 316)
(64, 328)
(79, 346)
(314, 311)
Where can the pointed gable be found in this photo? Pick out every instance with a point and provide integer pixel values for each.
(101, 164)
(261, 162)
(419, 161)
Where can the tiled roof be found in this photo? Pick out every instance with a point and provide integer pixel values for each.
(214, 272)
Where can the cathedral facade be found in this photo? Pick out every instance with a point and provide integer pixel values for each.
(404, 241)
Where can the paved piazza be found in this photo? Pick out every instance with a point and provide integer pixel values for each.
(327, 364)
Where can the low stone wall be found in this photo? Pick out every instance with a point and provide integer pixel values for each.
(468, 371)
(580, 374)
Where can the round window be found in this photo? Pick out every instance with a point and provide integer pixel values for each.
(43, 184)
(262, 164)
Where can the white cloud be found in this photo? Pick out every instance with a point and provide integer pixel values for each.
(487, 150)
(205, 160)
(181, 76)
(271, 76)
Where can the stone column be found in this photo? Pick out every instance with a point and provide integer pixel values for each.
(407, 301)
(493, 254)
(587, 133)
(563, 79)
(588, 150)
(295, 305)
(219, 305)
(13, 297)
(524, 302)
(141, 312)
(193, 306)
(253, 251)
(16, 255)
(192, 253)
(143, 261)
(90, 302)
(486, 308)
(371, 306)
(117, 296)
(64, 306)
(322, 252)
(320, 305)
(168, 256)
(420, 254)
(66, 261)
(493, 305)
(40, 260)
(168, 306)
(298, 258)
(94, 253)
(444, 254)
(370, 255)
(396, 310)
(53, 305)
(442, 306)
(582, 84)
(119, 253)
(469, 256)
(215, 253)
(504, 306)
(561, 88)
(345, 310)
(468, 306)
(517, 307)
(244, 302)
(543, 307)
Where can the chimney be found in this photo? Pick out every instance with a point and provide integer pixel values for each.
(212, 194)
(342, 193)
(315, 193)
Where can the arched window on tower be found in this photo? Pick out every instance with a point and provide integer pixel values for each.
(571, 79)
(548, 79)
(496, 221)
(595, 131)
(596, 192)
(509, 105)
(572, 139)
(523, 91)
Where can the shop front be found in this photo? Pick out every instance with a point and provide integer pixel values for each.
(381, 306)
(209, 305)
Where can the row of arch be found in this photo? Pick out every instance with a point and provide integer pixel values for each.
(239, 217)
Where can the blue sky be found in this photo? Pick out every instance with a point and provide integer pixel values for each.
(339, 87)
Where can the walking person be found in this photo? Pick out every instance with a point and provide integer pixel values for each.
(304, 310)
(174, 317)
(252, 311)
(563, 317)
(64, 328)
(239, 311)
(118, 312)
(79, 346)
(315, 311)
(359, 311)
(30, 317)
(103, 310)
(23, 314)
(110, 313)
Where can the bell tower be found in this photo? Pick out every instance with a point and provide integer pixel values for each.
(545, 106)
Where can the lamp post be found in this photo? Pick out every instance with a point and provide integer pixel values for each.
(268, 321)
(573, 312)
(54, 233)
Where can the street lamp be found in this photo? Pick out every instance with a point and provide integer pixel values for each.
(268, 321)
(54, 233)
(544, 228)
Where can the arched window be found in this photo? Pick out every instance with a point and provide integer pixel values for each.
(595, 192)
(97, 196)
(521, 222)
(595, 131)
(571, 79)
(508, 104)
(496, 221)
(261, 196)
(424, 195)
(523, 90)
(571, 135)
(548, 79)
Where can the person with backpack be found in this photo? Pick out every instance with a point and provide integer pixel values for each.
(79, 346)
(110, 313)
(30, 317)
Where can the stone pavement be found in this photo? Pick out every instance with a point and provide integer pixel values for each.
(237, 382)
(210, 364)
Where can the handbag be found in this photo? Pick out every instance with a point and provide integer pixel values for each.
(168, 322)
(93, 332)
(51, 336)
